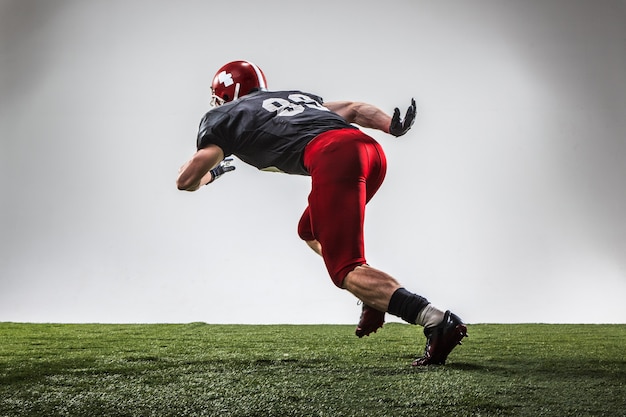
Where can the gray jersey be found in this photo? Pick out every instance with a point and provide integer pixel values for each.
(269, 129)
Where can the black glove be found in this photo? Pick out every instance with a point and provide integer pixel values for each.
(221, 169)
(400, 127)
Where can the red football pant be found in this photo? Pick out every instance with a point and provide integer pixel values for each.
(347, 167)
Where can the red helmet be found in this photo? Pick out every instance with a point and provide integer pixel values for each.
(236, 79)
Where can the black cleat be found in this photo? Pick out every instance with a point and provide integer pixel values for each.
(441, 339)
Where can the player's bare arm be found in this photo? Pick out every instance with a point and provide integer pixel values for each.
(362, 114)
(369, 116)
(197, 171)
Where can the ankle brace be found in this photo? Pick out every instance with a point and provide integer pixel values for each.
(406, 305)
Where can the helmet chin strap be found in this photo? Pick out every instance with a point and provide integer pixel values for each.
(237, 87)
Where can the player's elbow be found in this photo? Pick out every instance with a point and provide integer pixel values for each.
(350, 112)
(185, 184)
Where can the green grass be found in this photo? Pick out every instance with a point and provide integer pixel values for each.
(235, 370)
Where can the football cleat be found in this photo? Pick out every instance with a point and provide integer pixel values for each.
(441, 339)
(370, 321)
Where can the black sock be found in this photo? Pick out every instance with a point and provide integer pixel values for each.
(406, 305)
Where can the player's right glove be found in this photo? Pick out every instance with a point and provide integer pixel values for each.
(221, 169)
(399, 127)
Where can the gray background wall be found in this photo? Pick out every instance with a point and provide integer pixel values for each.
(505, 202)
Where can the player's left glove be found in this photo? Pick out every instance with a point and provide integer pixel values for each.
(221, 169)
(399, 127)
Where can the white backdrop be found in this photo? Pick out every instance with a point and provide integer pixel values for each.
(504, 203)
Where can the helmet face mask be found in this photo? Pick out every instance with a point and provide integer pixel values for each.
(234, 80)
(216, 101)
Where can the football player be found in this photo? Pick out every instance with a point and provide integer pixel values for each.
(295, 132)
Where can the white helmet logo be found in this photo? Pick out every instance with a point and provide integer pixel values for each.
(225, 78)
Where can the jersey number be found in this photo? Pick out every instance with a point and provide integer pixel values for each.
(295, 104)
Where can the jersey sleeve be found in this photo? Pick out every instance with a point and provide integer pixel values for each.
(317, 98)
(213, 131)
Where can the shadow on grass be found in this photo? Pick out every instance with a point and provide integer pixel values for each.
(587, 369)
